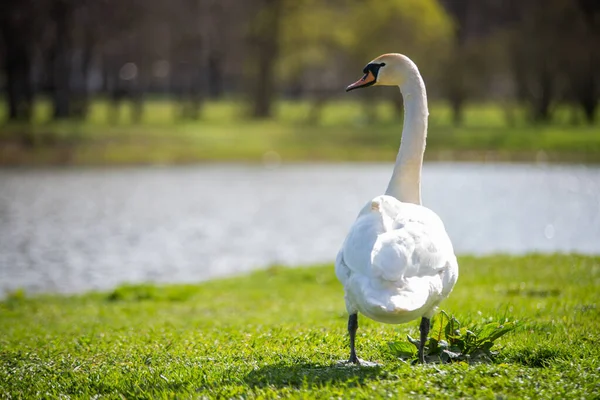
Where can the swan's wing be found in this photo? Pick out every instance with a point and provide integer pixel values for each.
(417, 245)
(395, 238)
(354, 256)
(413, 258)
(360, 241)
(341, 269)
(412, 250)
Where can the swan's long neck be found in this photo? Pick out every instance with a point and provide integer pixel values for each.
(405, 184)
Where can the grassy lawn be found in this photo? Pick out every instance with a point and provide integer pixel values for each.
(342, 133)
(279, 333)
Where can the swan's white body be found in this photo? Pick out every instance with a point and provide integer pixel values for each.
(397, 262)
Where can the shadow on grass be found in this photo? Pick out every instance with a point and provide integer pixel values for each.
(539, 357)
(281, 375)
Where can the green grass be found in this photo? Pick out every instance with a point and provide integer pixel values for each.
(279, 333)
(342, 133)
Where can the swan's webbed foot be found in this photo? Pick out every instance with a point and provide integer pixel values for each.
(356, 362)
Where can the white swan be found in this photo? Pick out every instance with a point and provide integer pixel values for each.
(397, 262)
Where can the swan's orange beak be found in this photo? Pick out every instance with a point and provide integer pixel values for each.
(367, 80)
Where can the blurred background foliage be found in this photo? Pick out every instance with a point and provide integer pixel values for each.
(533, 62)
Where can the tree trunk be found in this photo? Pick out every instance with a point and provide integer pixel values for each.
(81, 102)
(61, 60)
(137, 105)
(195, 95)
(589, 103)
(15, 33)
(213, 45)
(456, 91)
(215, 76)
(587, 90)
(267, 49)
(19, 86)
(190, 97)
(456, 102)
(543, 97)
(116, 93)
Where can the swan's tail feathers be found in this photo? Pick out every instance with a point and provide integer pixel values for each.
(409, 301)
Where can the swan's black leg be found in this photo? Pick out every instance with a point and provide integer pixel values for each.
(425, 324)
(352, 327)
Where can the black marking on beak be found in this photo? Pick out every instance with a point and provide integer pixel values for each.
(369, 79)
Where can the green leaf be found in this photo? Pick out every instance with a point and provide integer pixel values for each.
(441, 323)
(402, 349)
(454, 349)
(444, 357)
(487, 330)
(458, 343)
(464, 343)
(502, 330)
(433, 346)
(451, 328)
(416, 342)
(486, 346)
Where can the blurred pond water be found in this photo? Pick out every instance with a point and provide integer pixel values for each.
(67, 230)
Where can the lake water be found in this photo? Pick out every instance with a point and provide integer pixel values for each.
(64, 230)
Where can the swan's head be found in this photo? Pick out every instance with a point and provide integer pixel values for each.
(387, 70)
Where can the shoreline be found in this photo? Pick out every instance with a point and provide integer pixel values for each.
(102, 156)
(22, 293)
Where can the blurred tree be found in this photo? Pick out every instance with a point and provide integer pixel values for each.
(263, 39)
(310, 55)
(61, 56)
(324, 44)
(19, 30)
(85, 44)
(473, 55)
(460, 58)
(187, 48)
(215, 16)
(125, 45)
(417, 28)
(420, 29)
(536, 54)
(544, 52)
(554, 46)
(584, 57)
